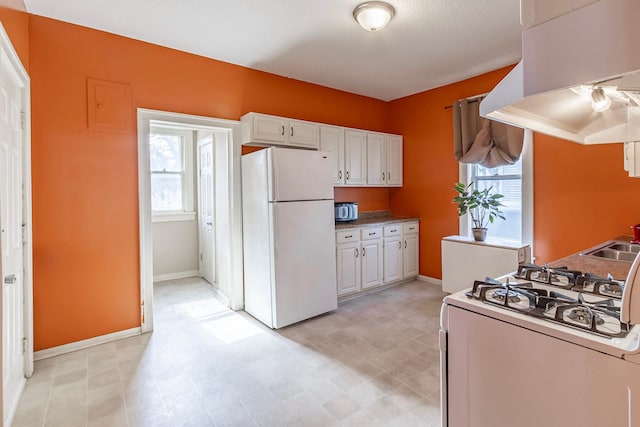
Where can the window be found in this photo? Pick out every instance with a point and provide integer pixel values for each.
(171, 166)
(515, 183)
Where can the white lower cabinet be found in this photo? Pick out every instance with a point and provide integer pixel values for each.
(392, 259)
(348, 264)
(371, 249)
(370, 257)
(411, 250)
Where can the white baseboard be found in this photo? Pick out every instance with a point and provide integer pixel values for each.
(79, 345)
(173, 276)
(432, 280)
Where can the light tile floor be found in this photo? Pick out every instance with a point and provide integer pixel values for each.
(374, 362)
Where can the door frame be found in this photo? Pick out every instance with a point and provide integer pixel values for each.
(234, 247)
(27, 281)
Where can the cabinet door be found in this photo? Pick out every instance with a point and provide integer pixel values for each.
(355, 143)
(348, 266)
(371, 263)
(411, 256)
(394, 160)
(269, 129)
(303, 134)
(376, 159)
(392, 259)
(332, 140)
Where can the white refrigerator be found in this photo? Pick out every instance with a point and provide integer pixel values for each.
(288, 235)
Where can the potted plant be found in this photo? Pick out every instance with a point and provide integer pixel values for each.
(483, 207)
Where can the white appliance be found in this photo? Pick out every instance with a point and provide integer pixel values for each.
(544, 347)
(288, 235)
(570, 48)
(464, 260)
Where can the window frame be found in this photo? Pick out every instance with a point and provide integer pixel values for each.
(526, 234)
(187, 213)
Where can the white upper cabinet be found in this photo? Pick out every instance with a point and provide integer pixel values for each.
(360, 158)
(332, 140)
(268, 129)
(394, 160)
(376, 159)
(263, 129)
(355, 142)
(303, 134)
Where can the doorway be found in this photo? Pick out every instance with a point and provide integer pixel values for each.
(15, 227)
(223, 264)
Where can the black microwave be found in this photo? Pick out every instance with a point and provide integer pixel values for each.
(346, 211)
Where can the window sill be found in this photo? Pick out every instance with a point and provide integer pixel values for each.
(173, 216)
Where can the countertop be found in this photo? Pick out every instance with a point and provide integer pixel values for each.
(600, 266)
(368, 219)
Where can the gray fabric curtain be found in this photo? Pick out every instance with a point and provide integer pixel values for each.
(483, 141)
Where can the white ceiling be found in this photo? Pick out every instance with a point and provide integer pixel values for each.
(428, 44)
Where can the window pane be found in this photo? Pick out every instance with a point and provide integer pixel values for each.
(511, 189)
(514, 169)
(166, 152)
(166, 192)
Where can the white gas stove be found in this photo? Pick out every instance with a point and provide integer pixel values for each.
(554, 338)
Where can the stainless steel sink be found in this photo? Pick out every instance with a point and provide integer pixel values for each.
(627, 247)
(615, 250)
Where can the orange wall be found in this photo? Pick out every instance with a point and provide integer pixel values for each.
(430, 168)
(570, 180)
(15, 21)
(582, 196)
(86, 266)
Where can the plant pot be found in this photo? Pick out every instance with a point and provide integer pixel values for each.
(479, 234)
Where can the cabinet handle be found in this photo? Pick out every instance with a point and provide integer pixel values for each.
(356, 253)
(405, 244)
(372, 234)
(347, 175)
(388, 176)
(349, 236)
(339, 174)
(399, 245)
(282, 130)
(394, 230)
(291, 130)
(383, 176)
(363, 253)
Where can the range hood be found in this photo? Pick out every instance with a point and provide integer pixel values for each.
(589, 45)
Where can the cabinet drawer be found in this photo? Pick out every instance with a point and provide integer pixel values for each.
(371, 233)
(393, 230)
(411, 228)
(351, 235)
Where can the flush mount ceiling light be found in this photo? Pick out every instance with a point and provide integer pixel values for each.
(601, 101)
(373, 15)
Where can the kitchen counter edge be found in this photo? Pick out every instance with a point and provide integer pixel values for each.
(377, 221)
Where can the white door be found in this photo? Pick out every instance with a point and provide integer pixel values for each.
(332, 140)
(411, 256)
(376, 159)
(355, 146)
(303, 134)
(348, 267)
(394, 160)
(299, 175)
(304, 267)
(371, 263)
(11, 219)
(392, 259)
(205, 209)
